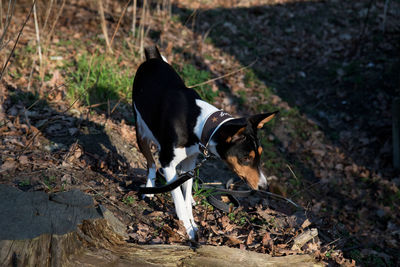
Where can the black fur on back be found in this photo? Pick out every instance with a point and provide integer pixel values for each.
(166, 105)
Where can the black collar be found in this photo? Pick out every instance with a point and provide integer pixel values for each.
(213, 122)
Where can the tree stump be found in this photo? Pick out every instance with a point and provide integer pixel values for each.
(67, 229)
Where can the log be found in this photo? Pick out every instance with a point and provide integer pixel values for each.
(67, 229)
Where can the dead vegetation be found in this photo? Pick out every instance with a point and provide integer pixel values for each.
(330, 67)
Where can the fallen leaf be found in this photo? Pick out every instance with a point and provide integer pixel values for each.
(233, 240)
(267, 241)
(250, 238)
(23, 160)
(8, 165)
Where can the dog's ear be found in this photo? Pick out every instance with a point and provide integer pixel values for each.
(232, 131)
(258, 121)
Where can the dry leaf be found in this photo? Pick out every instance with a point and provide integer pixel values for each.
(23, 160)
(250, 238)
(233, 240)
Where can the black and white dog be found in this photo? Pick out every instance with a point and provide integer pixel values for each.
(180, 124)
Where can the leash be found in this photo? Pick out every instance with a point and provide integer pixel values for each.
(215, 194)
(171, 186)
(233, 194)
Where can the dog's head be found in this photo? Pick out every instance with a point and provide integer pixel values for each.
(239, 147)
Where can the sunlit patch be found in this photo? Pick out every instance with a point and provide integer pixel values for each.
(248, 173)
(260, 150)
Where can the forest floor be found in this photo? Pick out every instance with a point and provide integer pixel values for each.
(331, 68)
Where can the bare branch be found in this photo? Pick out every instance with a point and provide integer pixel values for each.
(16, 41)
(223, 76)
(103, 24)
(9, 15)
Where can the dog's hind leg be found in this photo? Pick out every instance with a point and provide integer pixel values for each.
(144, 146)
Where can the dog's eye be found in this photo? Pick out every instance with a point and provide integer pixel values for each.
(246, 160)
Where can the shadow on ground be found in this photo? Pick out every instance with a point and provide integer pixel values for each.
(331, 61)
(74, 139)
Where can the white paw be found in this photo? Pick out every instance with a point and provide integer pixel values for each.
(191, 231)
(150, 196)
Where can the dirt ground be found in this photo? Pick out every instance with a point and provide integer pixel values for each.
(330, 67)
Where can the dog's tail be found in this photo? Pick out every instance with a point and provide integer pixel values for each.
(152, 52)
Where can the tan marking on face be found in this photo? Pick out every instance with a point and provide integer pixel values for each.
(264, 121)
(259, 150)
(248, 173)
(252, 154)
(236, 135)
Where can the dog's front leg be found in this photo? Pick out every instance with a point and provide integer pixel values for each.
(180, 204)
(188, 165)
(151, 178)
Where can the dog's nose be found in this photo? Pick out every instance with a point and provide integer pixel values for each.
(262, 182)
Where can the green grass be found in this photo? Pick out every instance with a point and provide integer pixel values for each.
(201, 194)
(97, 79)
(191, 76)
(50, 182)
(129, 200)
(239, 218)
(25, 182)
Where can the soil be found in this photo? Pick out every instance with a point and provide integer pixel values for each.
(328, 66)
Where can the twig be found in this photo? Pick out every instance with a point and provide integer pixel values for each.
(312, 185)
(55, 21)
(330, 243)
(134, 18)
(108, 108)
(204, 37)
(358, 48)
(223, 76)
(148, 26)
(47, 14)
(38, 40)
(30, 75)
(104, 25)
(16, 41)
(385, 9)
(10, 13)
(142, 21)
(281, 197)
(169, 8)
(214, 183)
(96, 105)
(290, 169)
(119, 22)
(116, 105)
(1, 14)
